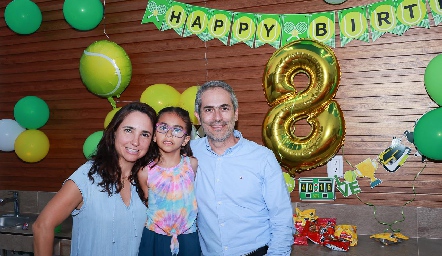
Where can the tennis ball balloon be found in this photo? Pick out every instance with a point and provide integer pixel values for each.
(105, 69)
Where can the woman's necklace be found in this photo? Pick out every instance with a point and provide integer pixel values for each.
(123, 180)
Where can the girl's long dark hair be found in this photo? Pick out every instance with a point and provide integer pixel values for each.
(106, 159)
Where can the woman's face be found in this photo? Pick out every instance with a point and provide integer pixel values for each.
(133, 137)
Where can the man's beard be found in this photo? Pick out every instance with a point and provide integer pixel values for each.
(219, 137)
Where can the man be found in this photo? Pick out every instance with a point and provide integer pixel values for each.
(243, 204)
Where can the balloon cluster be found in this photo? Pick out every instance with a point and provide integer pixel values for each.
(428, 130)
(22, 135)
(24, 16)
(158, 96)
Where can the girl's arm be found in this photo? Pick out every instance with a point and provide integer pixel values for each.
(55, 212)
(194, 163)
(142, 179)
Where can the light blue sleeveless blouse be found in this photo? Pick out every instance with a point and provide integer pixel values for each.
(105, 225)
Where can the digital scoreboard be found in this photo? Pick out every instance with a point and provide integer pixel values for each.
(316, 188)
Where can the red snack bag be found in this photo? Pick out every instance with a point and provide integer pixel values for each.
(337, 245)
(322, 229)
(301, 232)
(300, 240)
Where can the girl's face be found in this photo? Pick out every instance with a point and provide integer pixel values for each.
(133, 137)
(167, 142)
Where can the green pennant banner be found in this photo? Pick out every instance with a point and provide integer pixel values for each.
(175, 17)
(382, 18)
(257, 29)
(243, 28)
(410, 13)
(436, 11)
(295, 27)
(268, 30)
(155, 11)
(219, 25)
(322, 28)
(353, 25)
(197, 23)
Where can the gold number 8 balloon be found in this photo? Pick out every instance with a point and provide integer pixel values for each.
(315, 104)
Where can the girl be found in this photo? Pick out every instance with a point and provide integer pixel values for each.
(167, 186)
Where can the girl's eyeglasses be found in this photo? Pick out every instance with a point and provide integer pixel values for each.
(177, 131)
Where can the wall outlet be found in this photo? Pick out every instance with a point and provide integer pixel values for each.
(335, 167)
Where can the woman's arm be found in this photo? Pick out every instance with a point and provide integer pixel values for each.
(56, 211)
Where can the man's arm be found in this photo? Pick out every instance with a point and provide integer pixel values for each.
(280, 209)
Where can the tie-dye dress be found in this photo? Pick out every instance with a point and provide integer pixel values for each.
(172, 207)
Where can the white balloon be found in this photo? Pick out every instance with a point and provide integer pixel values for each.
(9, 131)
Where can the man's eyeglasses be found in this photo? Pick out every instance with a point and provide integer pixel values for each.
(176, 130)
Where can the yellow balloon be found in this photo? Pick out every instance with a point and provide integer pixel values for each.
(31, 146)
(187, 102)
(315, 104)
(159, 96)
(109, 116)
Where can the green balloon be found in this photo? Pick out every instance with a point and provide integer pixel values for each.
(83, 14)
(91, 143)
(428, 134)
(31, 112)
(433, 79)
(23, 16)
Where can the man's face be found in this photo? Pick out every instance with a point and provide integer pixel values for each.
(217, 115)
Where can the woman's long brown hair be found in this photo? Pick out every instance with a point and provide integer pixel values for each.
(106, 159)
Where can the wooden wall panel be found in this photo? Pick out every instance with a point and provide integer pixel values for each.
(381, 92)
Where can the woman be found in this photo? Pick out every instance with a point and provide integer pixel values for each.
(108, 215)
